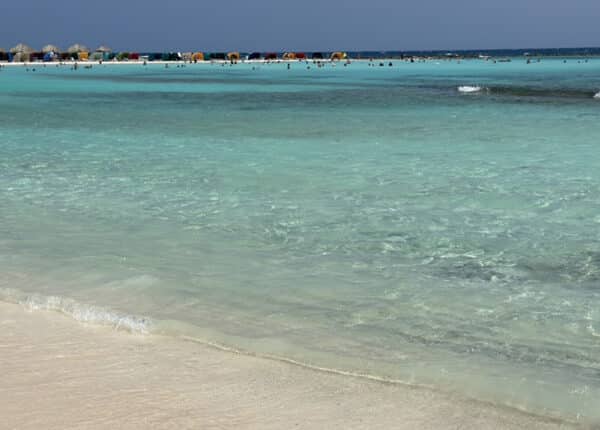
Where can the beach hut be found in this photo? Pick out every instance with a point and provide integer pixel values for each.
(102, 53)
(317, 56)
(300, 56)
(198, 56)
(21, 52)
(289, 56)
(271, 56)
(234, 57)
(255, 56)
(338, 56)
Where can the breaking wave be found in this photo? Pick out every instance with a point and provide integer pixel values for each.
(88, 314)
(531, 92)
(469, 89)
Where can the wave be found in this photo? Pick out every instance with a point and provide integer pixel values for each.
(531, 92)
(469, 89)
(83, 313)
(89, 314)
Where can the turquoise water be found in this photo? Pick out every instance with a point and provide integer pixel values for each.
(366, 219)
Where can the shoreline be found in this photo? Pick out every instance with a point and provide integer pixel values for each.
(88, 64)
(52, 361)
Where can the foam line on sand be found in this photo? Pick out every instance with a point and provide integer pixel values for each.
(60, 374)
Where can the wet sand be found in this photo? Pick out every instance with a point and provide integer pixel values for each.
(60, 374)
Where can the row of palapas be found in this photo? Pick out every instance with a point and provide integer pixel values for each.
(24, 53)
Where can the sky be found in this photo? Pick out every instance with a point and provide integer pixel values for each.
(301, 25)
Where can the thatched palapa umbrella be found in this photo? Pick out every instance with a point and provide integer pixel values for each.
(103, 49)
(21, 48)
(50, 48)
(21, 53)
(77, 48)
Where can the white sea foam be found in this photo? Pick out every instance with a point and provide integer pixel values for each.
(87, 314)
(469, 89)
(597, 95)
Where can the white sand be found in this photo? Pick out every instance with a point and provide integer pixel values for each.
(59, 374)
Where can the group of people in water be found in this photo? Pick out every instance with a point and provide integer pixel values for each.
(318, 63)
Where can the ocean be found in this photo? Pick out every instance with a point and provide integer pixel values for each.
(433, 223)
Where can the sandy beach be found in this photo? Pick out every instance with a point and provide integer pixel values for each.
(60, 374)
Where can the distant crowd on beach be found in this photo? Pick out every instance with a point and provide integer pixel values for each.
(78, 53)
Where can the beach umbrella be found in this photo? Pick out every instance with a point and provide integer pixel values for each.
(75, 49)
(50, 48)
(103, 49)
(339, 56)
(21, 48)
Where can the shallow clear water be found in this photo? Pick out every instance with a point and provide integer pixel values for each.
(370, 219)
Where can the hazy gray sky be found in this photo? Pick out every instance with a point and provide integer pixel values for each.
(278, 25)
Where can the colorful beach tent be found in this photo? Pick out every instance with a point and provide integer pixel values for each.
(300, 55)
(255, 56)
(317, 56)
(198, 56)
(233, 56)
(289, 56)
(271, 56)
(337, 56)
